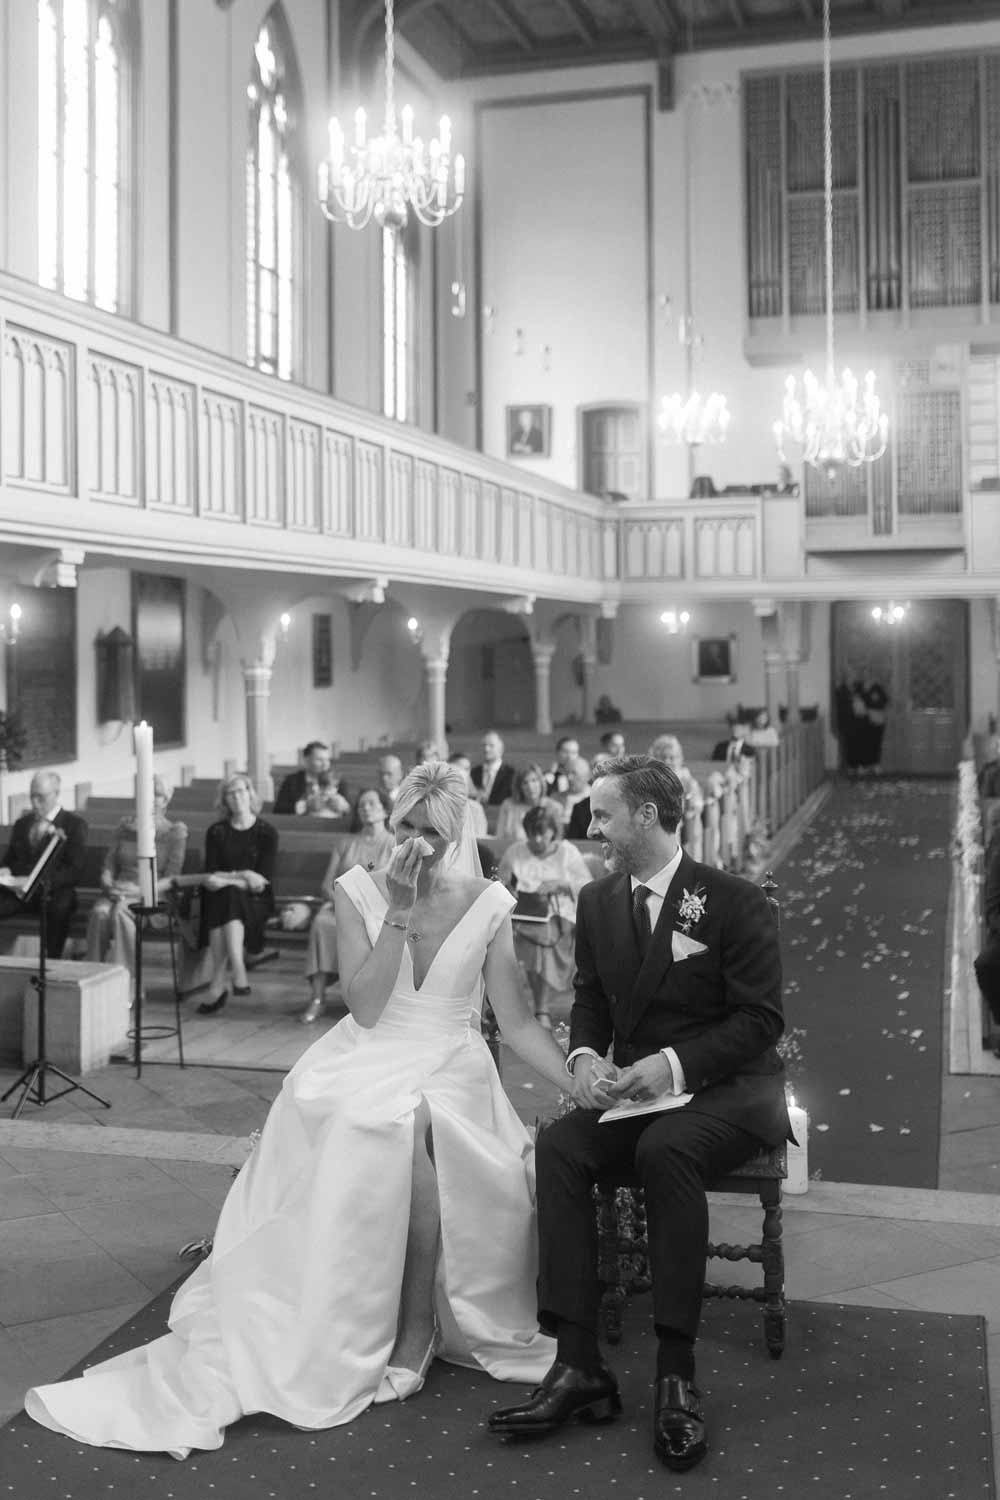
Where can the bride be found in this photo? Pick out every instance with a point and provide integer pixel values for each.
(385, 1216)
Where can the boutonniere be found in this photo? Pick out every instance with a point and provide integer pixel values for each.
(691, 909)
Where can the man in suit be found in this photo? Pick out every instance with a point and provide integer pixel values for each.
(314, 787)
(557, 776)
(28, 838)
(678, 969)
(737, 747)
(493, 780)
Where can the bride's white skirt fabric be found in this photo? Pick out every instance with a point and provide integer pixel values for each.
(294, 1313)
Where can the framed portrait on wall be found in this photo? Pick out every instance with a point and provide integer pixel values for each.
(322, 651)
(529, 431)
(713, 658)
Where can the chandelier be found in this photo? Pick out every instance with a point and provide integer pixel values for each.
(838, 422)
(692, 419)
(393, 173)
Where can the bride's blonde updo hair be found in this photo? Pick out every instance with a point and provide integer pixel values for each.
(443, 791)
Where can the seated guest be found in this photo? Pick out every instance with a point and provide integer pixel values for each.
(111, 926)
(989, 772)
(237, 897)
(492, 780)
(544, 864)
(578, 788)
(737, 747)
(578, 824)
(528, 792)
(762, 732)
(371, 848)
(28, 838)
(313, 789)
(613, 744)
(557, 780)
(606, 713)
(668, 749)
(428, 753)
(389, 775)
(477, 814)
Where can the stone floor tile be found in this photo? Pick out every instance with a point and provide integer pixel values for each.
(21, 1198)
(209, 1182)
(967, 1103)
(57, 1343)
(41, 1237)
(965, 1148)
(969, 1288)
(861, 1296)
(106, 1180)
(19, 1369)
(868, 1253)
(47, 1288)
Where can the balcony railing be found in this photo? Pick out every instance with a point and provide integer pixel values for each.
(119, 438)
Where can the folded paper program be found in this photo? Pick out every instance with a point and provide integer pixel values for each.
(629, 1107)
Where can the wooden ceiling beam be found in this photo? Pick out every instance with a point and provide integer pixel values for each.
(659, 21)
(507, 14)
(582, 22)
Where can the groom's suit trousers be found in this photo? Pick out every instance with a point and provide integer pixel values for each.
(674, 1155)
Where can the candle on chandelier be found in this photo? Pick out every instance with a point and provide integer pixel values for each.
(459, 175)
(444, 131)
(336, 147)
(797, 1180)
(359, 127)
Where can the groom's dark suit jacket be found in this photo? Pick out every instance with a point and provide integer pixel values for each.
(719, 1010)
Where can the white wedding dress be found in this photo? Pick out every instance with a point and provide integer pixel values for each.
(294, 1312)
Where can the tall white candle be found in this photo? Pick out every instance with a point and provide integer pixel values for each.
(797, 1180)
(145, 825)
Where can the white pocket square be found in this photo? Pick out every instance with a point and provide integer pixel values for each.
(683, 946)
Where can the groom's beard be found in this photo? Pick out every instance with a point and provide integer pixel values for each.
(621, 859)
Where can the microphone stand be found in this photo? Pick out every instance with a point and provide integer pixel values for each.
(32, 1081)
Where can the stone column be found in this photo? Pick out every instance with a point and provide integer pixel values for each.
(542, 653)
(436, 677)
(257, 686)
(588, 662)
(792, 664)
(774, 676)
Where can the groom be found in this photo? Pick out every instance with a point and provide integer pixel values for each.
(678, 968)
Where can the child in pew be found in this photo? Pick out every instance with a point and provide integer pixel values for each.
(371, 848)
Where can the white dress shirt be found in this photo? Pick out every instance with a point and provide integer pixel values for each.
(658, 884)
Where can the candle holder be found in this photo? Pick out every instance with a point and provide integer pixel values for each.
(143, 912)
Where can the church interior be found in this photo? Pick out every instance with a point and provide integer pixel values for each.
(317, 432)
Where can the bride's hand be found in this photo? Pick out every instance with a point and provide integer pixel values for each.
(401, 872)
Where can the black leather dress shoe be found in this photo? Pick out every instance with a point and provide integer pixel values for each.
(678, 1423)
(209, 1007)
(564, 1393)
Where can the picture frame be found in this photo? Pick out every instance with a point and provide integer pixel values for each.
(713, 658)
(529, 430)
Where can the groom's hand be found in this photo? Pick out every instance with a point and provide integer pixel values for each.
(593, 1080)
(644, 1080)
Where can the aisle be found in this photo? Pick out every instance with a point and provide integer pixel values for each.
(864, 904)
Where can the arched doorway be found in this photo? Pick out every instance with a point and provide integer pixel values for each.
(923, 663)
(491, 676)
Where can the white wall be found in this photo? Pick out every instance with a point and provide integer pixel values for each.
(564, 254)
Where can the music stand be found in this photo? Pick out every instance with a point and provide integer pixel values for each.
(34, 1076)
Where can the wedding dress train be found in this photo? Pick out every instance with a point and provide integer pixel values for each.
(294, 1312)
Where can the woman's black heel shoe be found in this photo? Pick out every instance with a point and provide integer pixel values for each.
(241, 989)
(209, 1007)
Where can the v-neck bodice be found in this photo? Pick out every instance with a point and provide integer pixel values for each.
(451, 988)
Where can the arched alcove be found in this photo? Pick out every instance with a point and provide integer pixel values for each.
(491, 677)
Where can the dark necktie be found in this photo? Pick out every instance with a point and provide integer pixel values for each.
(640, 916)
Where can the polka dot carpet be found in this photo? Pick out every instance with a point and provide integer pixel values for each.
(867, 1404)
(864, 899)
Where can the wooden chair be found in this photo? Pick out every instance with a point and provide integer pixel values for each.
(622, 1244)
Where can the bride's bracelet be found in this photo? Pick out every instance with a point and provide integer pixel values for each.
(401, 926)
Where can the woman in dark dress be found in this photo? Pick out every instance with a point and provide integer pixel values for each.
(237, 897)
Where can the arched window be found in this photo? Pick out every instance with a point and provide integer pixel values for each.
(399, 322)
(87, 59)
(274, 202)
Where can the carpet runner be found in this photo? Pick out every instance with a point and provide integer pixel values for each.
(864, 897)
(867, 1402)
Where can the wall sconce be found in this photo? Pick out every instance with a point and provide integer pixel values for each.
(416, 633)
(518, 342)
(890, 614)
(675, 621)
(489, 319)
(546, 358)
(285, 621)
(458, 299)
(10, 628)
